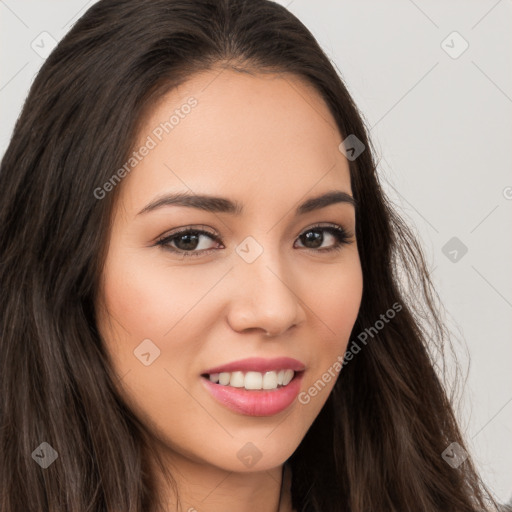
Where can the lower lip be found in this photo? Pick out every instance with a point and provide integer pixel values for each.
(255, 402)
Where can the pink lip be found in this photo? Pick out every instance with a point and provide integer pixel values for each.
(255, 402)
(259, 364)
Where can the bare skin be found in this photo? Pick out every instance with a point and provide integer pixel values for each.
(269, 142)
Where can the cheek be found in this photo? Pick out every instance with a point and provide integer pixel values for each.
(337, 299)
(147, 313)
(335, 305)
(148, 297)
(141, 306)
(137, 296)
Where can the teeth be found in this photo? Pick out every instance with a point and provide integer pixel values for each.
(224, 378)
(237, 380)
(253, 380)
(288, 376)
(270, 380)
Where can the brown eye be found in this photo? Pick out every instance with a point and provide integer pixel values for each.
(194, 242)
(188, 242)
(315, 237)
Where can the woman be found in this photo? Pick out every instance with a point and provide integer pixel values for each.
(287, 365)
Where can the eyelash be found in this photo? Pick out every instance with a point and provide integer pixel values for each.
(341, 235)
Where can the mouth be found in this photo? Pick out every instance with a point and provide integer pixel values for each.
(253, 381)
(255, 387)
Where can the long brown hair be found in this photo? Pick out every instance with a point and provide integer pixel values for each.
(376, 445)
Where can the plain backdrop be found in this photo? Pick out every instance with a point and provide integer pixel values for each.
(433, 81)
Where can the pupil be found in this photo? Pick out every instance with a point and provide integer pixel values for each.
(191, 241)
(315, 237)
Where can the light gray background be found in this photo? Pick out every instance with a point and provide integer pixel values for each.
(443, 129)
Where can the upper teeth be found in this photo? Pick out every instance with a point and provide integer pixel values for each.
(253, 380)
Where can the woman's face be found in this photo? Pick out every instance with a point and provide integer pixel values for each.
(174, 308)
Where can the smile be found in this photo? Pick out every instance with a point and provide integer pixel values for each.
(255, 386)
(253, 380)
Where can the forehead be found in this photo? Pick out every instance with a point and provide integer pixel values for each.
(255, 136)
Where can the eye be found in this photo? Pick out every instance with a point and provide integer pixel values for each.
(188, 242)
(314, 238)
(194, 242)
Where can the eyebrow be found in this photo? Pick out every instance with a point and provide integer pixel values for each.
(216, 204)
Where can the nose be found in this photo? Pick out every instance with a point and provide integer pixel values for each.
(263, 296)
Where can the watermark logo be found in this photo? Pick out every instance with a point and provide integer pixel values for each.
(249, 454)
(351, 147)
(45, 455)
(454, 455)
(43, 44)
(454, 45)
(454, 249)
(249, 249)
(147, 352)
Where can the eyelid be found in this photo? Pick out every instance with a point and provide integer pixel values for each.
(325, 225)
(203, 230)
(191, 227)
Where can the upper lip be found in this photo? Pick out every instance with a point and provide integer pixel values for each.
(259, 364)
